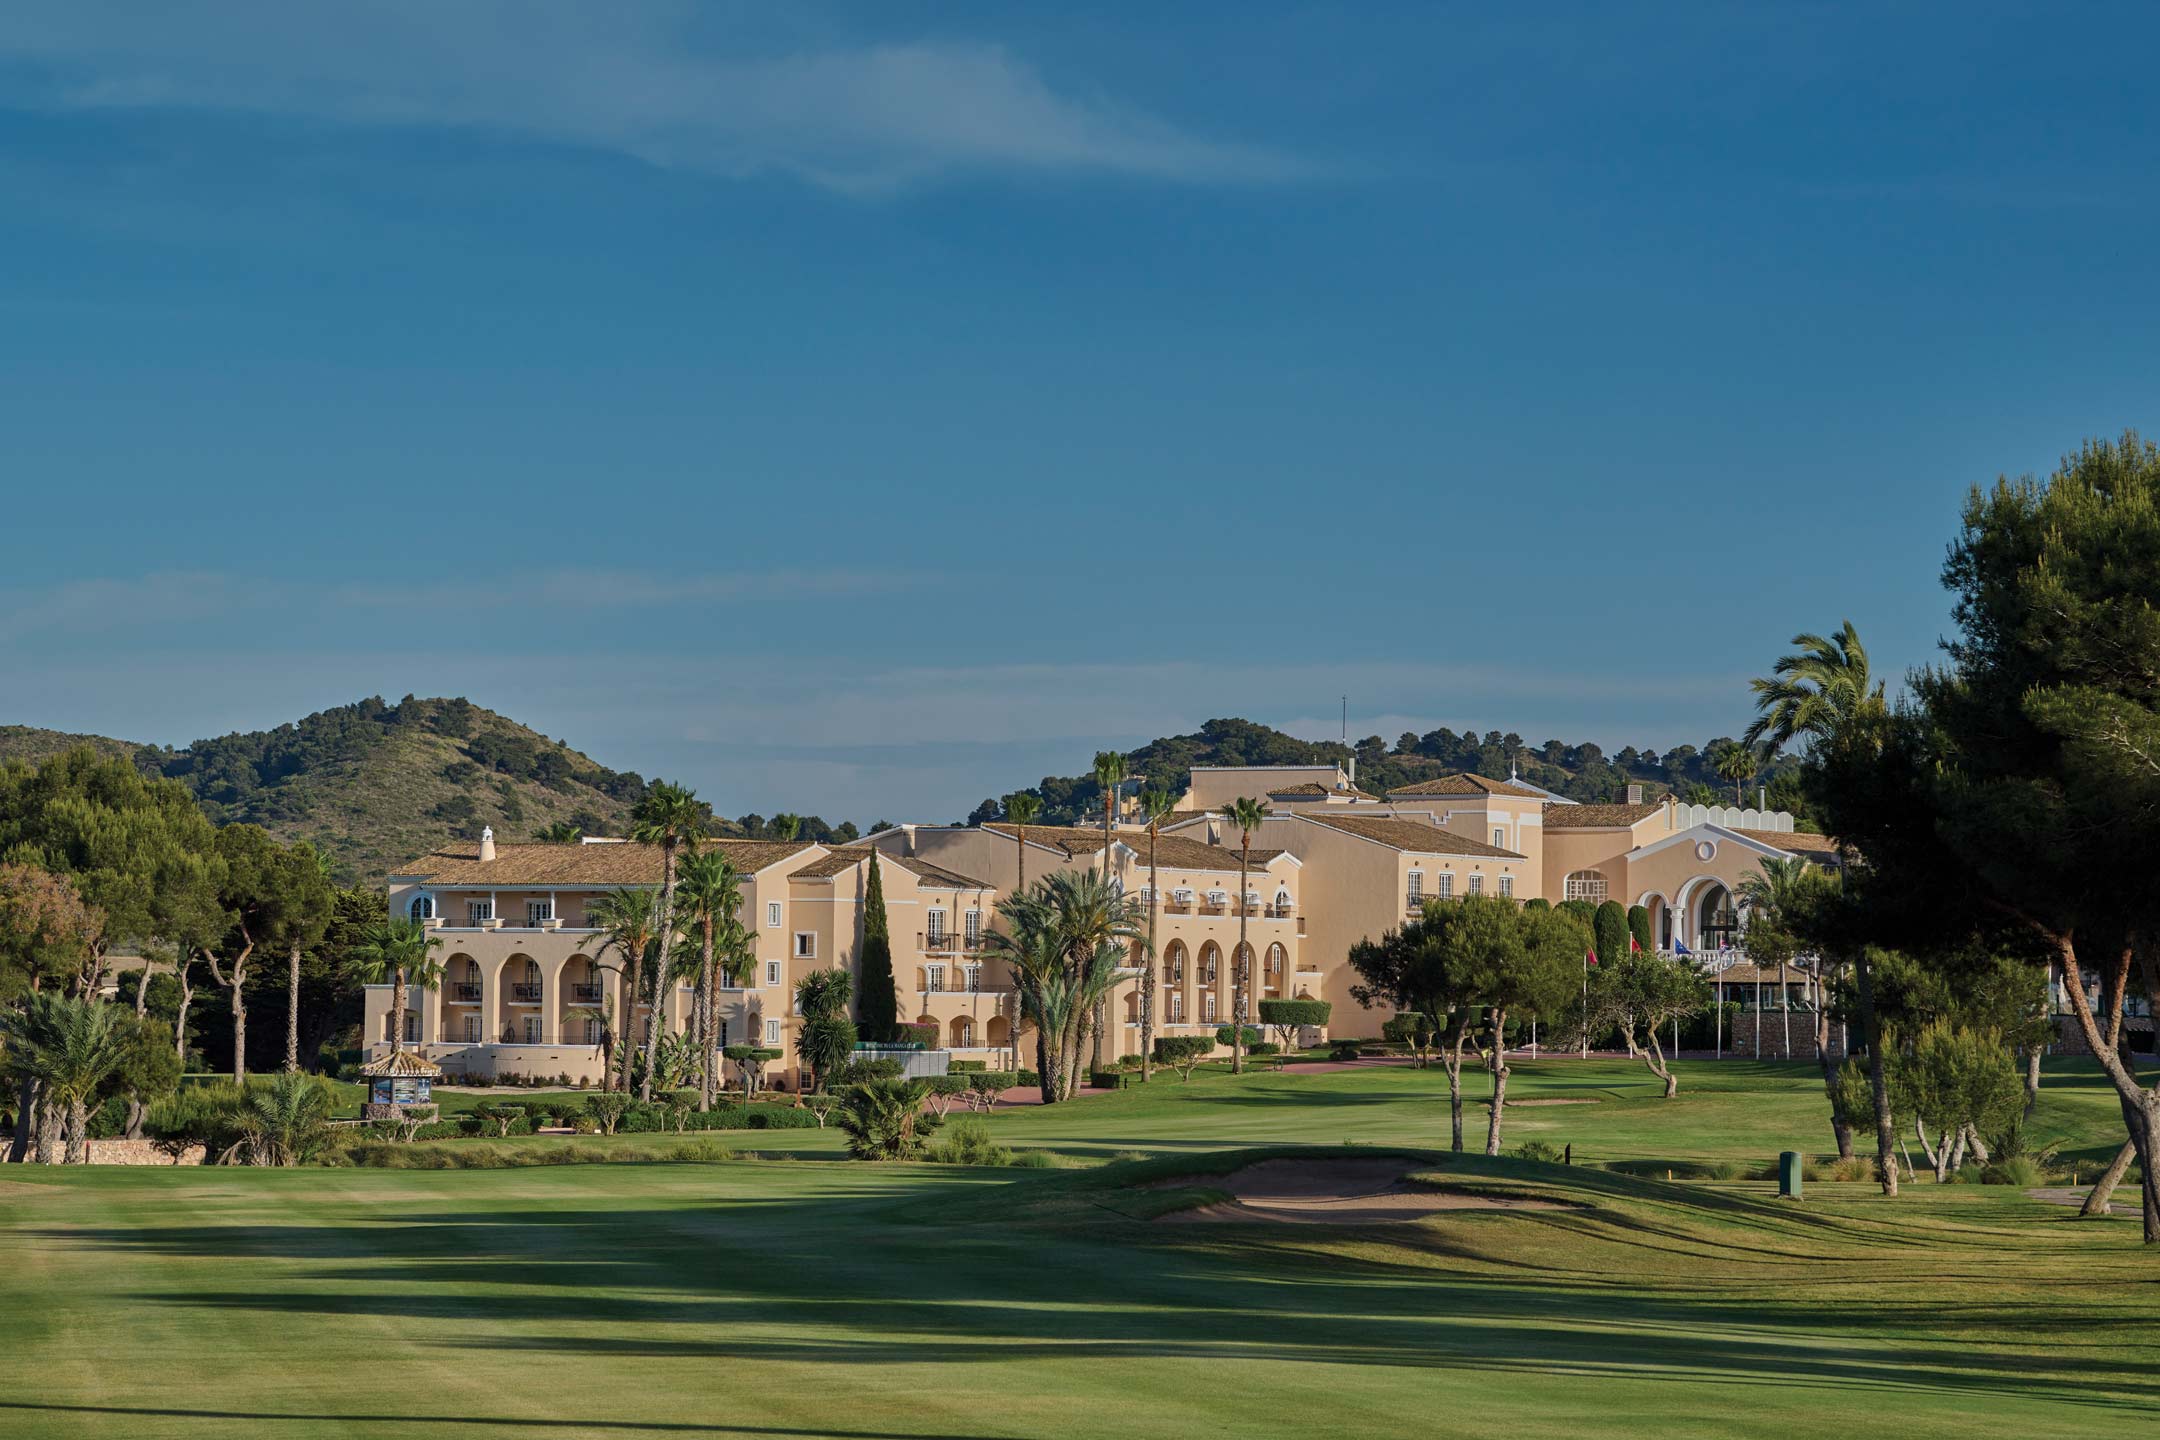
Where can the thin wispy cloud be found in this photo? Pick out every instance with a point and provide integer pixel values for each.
(651, 81)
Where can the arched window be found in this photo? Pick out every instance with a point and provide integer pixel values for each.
(1586, 885)
(1282, 900)
(1173, 965)
(422, 908)
(1277, 959)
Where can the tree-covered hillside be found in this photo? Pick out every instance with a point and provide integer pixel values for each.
(1580, 771)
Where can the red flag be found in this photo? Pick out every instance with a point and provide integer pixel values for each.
(1634, 946)
(1589, 957)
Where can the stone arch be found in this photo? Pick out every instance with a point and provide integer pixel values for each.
(962, 1031)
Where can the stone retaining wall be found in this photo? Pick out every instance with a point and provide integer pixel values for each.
(139, 1152)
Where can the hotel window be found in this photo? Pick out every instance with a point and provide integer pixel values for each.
(532, 1029)
(472, 1028)
(1181, 896)
(974, 928)
(1417, 886)
(1207, 1006)
(1147, 894)
(1499, 838)
(412, 1027)
(1507, 887)
(772, 1032)
(423, 907)
(1282, 901)
(1218, 898)
(772, 972)
(772, 914)
(478, 911)
(1477, 884)
(1177, 1007)
(723, 1035)
(805, 945)
(592, 1031)
(936, 924)
(1447, 885)
(1585, 885)
(936, 981)
(974, 978)
(539, 910)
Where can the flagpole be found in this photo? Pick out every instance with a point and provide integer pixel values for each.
(1586, 1004)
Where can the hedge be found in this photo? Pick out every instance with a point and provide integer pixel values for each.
(1295, 1012)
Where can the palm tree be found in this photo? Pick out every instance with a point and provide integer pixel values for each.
(1824, 691)
(785, 826)
(400, 953)
(671, 817)
(1021, 808)
(629, 924)
(711, 892)
(1772, 893)
(288, 1122)
(1246, 814)
(562, 832)
(1065, 941)
(1155, 804)
(1110, 774)
(70, 1047)
(1735, 762)
(1812, 692)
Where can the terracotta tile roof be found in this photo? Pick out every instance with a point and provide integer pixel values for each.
(1795, 841)
(1410, 836)
(838, 862)
(1176, 851)
(1464, 783)
(579, 864)
(937, 877)
(847, 857)
(1595, 817)
(1315, 790)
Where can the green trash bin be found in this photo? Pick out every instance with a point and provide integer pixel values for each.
(1788, 1174)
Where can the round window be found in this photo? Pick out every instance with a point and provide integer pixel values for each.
(1705, 849)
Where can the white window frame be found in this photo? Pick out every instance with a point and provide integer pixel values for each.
(1447, 885)
(1207, 1007)
(472, 1029)
(772, 1032)
(412, 1027)
(1507, 887)
(532, 1029)
(478, 912)
(422, 908)
(772, 972)
(772, 914)
(1218, 898)
(1477, 884)
(1499, 837)
(934, 924)
(1417, 884)
(539, 910)
(1594, 888)
(1183, 895)
(806, 944)
(974, 927)
(934, 979)
(973, 973)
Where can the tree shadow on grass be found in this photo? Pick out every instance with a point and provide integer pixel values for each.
(850, 1277)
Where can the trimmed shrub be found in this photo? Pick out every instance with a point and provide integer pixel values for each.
(1342, 1050)
(1183, 1053)
(1030, 1077)
(1264, 1047)
(606, 1109)
(962, 1067)
(1225, 1034)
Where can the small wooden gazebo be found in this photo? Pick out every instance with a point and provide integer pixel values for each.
(400, 1085)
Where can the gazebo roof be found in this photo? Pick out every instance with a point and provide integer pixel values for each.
(402, 1064)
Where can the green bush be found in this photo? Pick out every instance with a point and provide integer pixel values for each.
(968, 1142)
(1344, 1050)
(1105, 1079)
(1183, 1053)
(1264, 1047)
(607, 1109)
(1539, 1151)
(2019, 1170)
(1225, 1034)
(1030, 1077)
(962, 1067)
(1034, 1160)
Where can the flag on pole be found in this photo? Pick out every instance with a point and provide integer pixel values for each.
(1589, 957)
(1680, 949)
(1634, 946)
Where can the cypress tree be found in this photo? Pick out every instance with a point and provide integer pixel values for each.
(877, 1004)
(1638, 924)
(1611, 931)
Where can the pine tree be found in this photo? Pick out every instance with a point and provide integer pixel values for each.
(877, 1006)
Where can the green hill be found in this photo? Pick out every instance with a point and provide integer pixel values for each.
(1579, 771)
(375, 784)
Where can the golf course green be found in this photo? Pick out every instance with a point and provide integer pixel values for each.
(800, 1294)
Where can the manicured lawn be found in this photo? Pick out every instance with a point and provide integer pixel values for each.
(794, 1298)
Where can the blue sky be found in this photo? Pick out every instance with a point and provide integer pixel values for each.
(1541, 374)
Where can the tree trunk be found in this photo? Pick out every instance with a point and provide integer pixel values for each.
(78, 1133)
(1959, 1148)
(135, 1111)
(400, 1001)
(636, 981)
(2103, 1190)
(1878, 1087)
(2141, 1108)
(187, 994)
(1829, 1068)
(1452, 1058)
(2032, 1079)
(1784, 1003)
(661, 983)
(26, 1097)
(292, 1011)
(1654, 1057)
(1497, 1064)
(1045, 1074)
(1147, 983)
(239, 1026)
(1237, 962)
(46, 1130)
(1936, 1159)
(705, 1011)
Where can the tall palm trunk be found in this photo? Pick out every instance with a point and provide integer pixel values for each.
(660, 983)
(1147, 974)
(292, 1008)
(399, 1000)
(634, 986)
(707, 1083)
(1102, 1006)
(1013, 1036)
(1237, 962)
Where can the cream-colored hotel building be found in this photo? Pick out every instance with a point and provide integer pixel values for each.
(1331, 865)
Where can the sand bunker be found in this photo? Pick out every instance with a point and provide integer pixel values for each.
(1337, 1192)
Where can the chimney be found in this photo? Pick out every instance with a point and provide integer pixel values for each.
(487, 843)
(1762, 797)
(908, 848)
(1353, 771)
(1634, 794)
